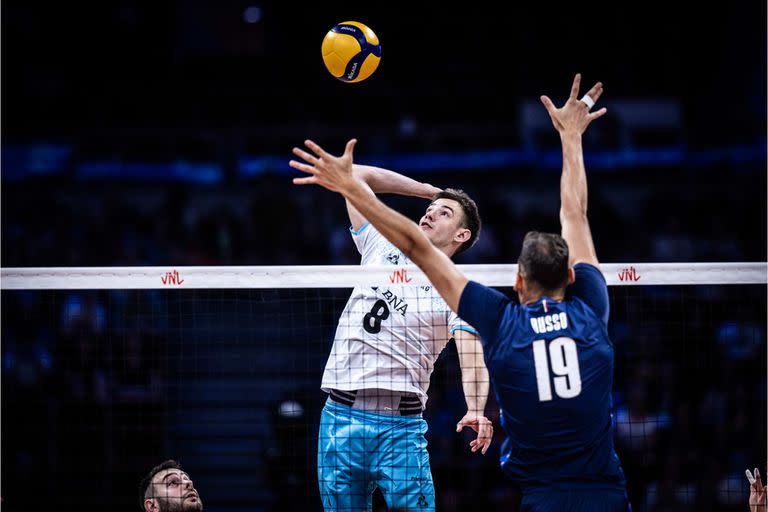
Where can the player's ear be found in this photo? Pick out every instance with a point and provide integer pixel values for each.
(571, 275)
(519, 282)
(462, 235)
(149, 505)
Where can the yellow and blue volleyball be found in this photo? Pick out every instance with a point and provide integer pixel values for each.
(351, 51)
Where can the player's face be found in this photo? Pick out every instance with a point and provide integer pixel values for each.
(175, 492)
(442, 222)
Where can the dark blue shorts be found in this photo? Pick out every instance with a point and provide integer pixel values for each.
(575, 501)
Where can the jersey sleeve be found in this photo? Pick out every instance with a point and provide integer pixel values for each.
(484, 309)
(362, 236)
(455, 323)
(368, 242)
(591, 288)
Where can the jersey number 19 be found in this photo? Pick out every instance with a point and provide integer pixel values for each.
(564, 361)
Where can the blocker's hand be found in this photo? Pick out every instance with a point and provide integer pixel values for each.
(575, 115)
(331, 172)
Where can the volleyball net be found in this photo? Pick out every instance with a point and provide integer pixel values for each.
(109, 371)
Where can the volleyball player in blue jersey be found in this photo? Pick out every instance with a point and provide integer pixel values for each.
(549, 357)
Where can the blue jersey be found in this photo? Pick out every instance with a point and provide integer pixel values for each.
(551, 366)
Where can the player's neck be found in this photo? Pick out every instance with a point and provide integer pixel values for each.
(448, 250)
(533, 297)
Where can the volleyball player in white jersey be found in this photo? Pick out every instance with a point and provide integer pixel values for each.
(378, 372)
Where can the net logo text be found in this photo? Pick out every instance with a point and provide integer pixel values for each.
(400, 276)
(629, 274)
(171, 278)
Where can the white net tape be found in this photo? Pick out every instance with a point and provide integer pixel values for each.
(347, 276)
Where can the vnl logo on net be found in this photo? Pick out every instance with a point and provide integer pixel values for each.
(172, 277)
(629, 274)
(400, 276)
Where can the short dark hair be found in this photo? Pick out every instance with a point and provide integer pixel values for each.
(471, 214)
(544, 260)
(147, 480)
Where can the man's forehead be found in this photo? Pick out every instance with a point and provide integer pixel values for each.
(159, 477)
(444, 201)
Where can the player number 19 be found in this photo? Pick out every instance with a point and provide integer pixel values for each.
(565, 368)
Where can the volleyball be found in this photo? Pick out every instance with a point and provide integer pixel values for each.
(351, 51)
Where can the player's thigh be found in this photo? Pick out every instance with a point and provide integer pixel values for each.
(582, 501)
(404, 474)
(341, 475)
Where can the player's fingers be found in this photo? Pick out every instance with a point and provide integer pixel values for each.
(350, 147)
(599, 91)
(320, 152)
(599, 113)
(548, 104)
(309, 180)
(595, 91)
(750, 478)
(309, 169)
(575, 86)
(306, 156)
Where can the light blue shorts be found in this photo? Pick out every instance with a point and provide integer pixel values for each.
(359, 450)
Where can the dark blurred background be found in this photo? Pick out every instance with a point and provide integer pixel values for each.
(158, 133)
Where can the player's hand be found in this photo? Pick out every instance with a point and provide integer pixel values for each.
(482, 426)
(331, 172)
(756, 492)
(574, 116)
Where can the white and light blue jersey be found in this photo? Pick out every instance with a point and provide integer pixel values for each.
(389, 337)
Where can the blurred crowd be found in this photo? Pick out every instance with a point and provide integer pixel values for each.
(636, 215)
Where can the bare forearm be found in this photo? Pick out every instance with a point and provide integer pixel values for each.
(475, 383)
(384, 181)
(573, 182)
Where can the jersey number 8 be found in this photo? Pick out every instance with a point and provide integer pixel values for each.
(372, 320)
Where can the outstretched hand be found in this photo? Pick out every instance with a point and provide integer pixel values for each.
(574, 116)
(331, 172)
(756, 491)
(482, 426)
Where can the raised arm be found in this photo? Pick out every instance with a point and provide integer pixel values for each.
(336, 174)
(376, 180)
(571, 120)
(384, 181)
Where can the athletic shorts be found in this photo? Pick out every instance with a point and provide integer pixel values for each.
(360, 450)
(575, 501)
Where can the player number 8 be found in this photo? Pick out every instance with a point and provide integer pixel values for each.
(372, 320)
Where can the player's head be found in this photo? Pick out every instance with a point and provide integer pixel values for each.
(451, 222)
(543, 265)
(167, 488)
